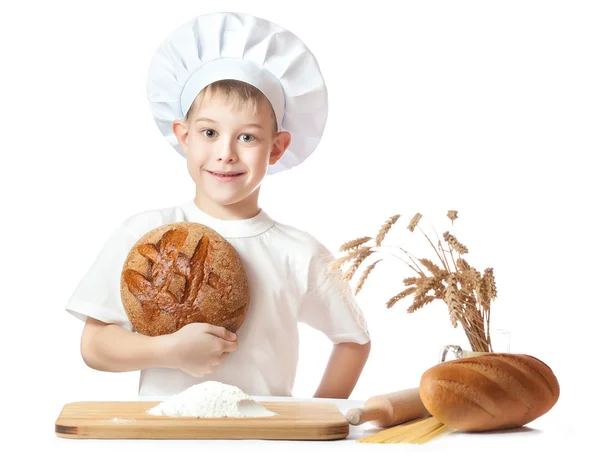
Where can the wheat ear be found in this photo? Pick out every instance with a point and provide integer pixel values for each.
(450, 239)
(354, 243)
(451, 299)
(414, 222)
(406, 292)
(385, 229)
(364, 276)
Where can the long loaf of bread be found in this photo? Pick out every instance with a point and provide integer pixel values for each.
(488, 392)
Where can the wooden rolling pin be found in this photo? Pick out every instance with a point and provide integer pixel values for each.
(389, 409)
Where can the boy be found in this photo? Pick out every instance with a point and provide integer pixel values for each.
(203, 87)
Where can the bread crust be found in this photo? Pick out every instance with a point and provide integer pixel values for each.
(182, 273)
(489, 392)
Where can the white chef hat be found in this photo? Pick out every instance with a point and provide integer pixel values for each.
(238, 46)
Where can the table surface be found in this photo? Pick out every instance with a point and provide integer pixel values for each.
(556, 435)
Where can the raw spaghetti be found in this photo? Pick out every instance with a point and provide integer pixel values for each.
(418, 431)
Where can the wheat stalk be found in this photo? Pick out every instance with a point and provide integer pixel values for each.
(406, 292)
(414, 222)
(393, 251)
(385, 229)
(358, 259)
(451, 299)
(337, 264)
(433, 268)
(443, 260)
(364, 276)
(453, 242)
(354, 243)
(420, 303)
(462, 264)
(488, 275)
(465, 291)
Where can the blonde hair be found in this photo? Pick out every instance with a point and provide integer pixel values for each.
(240, 93)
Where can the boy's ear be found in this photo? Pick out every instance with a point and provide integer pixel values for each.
(280, 144)
(180, 130)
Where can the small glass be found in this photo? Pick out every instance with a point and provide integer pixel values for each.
(500, 339)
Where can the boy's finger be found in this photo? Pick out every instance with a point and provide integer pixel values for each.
(223, 356)
(221, 332)
(229, 347)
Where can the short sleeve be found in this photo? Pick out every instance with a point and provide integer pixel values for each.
(98, 294)
(329, 305)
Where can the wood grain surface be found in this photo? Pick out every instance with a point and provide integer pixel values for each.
(129, 420)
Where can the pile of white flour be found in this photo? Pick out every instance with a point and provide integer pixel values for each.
(211, 399)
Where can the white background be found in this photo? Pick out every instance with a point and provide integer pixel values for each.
(489, 108)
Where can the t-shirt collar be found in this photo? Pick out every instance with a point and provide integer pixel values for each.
(229, 228)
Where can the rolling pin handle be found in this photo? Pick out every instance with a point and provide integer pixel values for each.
(354, 416)
(358, 416)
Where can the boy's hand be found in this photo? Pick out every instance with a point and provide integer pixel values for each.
(197, 348)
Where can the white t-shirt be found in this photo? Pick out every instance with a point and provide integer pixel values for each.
(289, 283)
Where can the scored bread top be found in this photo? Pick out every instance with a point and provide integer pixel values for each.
(490, 391)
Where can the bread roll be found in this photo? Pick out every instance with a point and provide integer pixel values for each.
(489, 392)
(182, 273)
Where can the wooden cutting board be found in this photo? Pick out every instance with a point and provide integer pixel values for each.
(129, 420)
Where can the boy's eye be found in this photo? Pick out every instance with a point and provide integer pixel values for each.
(247, 138)
(209, 133)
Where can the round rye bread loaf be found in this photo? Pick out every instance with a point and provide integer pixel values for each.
(183, 273)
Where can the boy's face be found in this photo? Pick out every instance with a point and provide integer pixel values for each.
(229, 148)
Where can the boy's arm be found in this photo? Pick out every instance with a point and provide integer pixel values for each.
(196, 349)
(343, 370)
(108, 347)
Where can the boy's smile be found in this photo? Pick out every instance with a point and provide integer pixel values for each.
(225, 176)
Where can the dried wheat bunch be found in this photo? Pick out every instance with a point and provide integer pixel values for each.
(466, 292)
